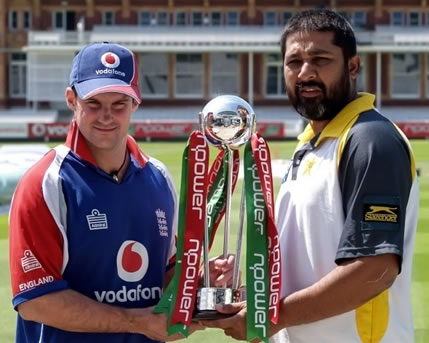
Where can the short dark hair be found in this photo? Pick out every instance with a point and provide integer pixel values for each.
(322, 20)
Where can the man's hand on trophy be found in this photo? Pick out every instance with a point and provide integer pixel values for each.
(221, 270)
(154, 325)
(234, 326)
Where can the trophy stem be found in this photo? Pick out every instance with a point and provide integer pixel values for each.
(206, 255)
(228, 203)
(236, 272)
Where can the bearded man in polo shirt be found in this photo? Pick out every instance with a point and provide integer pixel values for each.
(347, 208)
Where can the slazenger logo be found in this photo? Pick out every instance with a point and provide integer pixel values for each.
(382, 214)
(132, 261)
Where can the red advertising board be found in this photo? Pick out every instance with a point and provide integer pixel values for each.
(152, 129)
(415, 129)
(271, 129)
(147, 129)
(159, 129)
(13, 130)
(57, 130)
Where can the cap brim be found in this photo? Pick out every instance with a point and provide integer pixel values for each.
(90, 88)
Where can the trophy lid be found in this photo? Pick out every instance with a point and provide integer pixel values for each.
(227, 120)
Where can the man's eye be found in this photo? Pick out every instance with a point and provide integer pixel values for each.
(293, 63)
(119, 106)
(320, 60)
(93, 104)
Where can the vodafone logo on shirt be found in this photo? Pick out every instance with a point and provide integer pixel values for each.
(132, 261)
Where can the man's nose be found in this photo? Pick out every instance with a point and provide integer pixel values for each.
(307, 72)
(106, 113)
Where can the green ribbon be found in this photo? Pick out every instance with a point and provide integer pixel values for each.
(257, 284)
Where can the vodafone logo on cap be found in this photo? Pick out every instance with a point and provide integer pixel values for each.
(132, 261)
(110, 60)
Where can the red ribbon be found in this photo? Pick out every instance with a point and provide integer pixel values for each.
(261, 154)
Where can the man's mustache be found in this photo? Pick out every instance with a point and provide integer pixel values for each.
(310, 84)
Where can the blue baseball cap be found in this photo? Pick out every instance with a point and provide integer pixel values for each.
(104, 68)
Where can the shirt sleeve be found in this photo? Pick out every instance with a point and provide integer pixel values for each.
(35, 242)
(171, 258)
(375, 177)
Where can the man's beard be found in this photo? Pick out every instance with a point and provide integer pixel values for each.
(323, 107)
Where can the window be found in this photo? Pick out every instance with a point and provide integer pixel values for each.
(405, 75)
(180, 18)
(197, 18)
(358, 19)
(232, 18)
(26, 20)
(397, 19)
(59, 20)
(189, 75)
(108, 18)
(145, 18)
(154, 79)
(13, 20)
(274, 80)
(17, 75)
(285, 18)
(64, 20)
(216, 18)
(270, 18)
(413, 19)
(162, 19)
(224, 69)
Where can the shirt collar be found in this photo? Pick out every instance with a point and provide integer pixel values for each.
(336, 126)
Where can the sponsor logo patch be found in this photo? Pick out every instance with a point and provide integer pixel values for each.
(381, 213)
(110, 60)
(162, 222)
(29, 262)
(132, 261)
(97, 220)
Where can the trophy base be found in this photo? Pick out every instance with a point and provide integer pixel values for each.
(209, 315)
(209, 297)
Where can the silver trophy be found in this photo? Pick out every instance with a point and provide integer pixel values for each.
(228, 122)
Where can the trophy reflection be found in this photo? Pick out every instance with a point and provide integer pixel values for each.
(227, 122)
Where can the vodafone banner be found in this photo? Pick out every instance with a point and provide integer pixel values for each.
(48, 131)
(415, 129)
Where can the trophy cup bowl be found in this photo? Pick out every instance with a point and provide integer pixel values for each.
(228, 122)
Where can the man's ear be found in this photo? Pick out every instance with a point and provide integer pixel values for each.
(354, 66)
(70, 98)
(135, 106)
